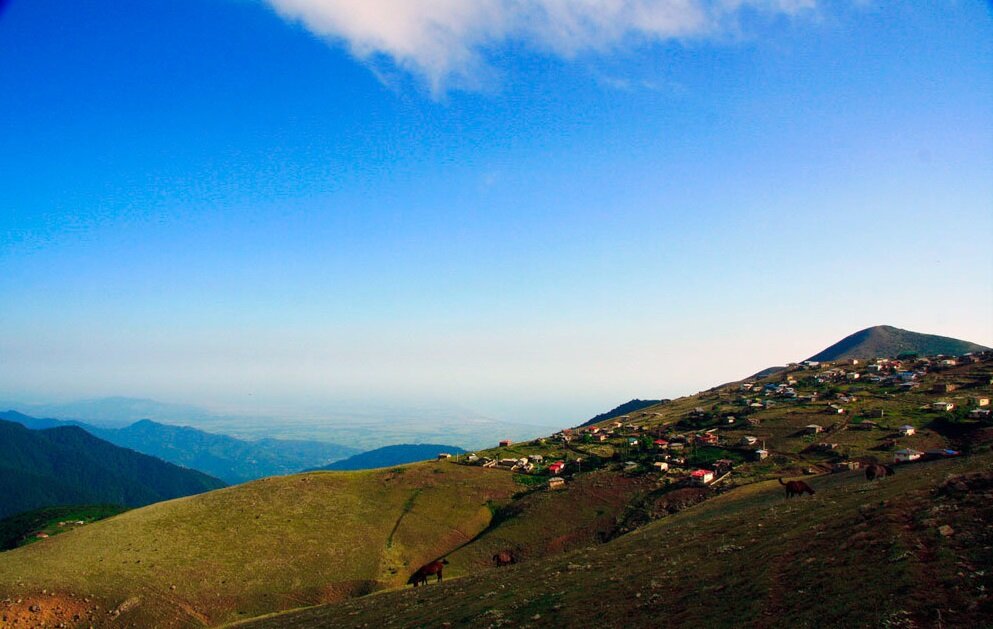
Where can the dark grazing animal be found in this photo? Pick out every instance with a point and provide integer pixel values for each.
(872, 472)
(504, 558)
(796, 488)
(421, 576)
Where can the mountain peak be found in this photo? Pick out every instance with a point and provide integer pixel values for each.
(889, 341)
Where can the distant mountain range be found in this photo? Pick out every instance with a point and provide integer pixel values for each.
(67, 465)
(230, 459)
(623, 409)
(362, 424)
(890, 342)
(392, 455)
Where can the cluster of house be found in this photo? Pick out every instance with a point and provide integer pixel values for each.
(615, 429)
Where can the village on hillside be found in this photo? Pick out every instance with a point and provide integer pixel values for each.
(808, 418)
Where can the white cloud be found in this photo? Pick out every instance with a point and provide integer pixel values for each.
(446, 42)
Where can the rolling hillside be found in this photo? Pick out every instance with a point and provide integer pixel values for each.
(884, 341)
(908, 551)
(392, 455)
(272, 544)
(622, 543)
(67, 465)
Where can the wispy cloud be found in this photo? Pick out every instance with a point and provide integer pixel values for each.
(447, 42)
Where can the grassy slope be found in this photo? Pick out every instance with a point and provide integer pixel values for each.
(545, 523)
(272, 544)
(856, 554)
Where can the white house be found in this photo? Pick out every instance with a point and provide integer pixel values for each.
(907, 430)
(942, 406)
(907, 454)
(660, 466)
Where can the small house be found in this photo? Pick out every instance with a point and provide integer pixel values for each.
(723, 465)
(979, 413)
(536, 458)
(556, 483)
(556, 467)
(761, 455)
(630, 466)
(708, 438)
(981, 401)
(813, 429)
(676, 447)
(472, 458)
(748, 440)
(443, 456)
(852, 375)
(505, 442)
(660, 466)
(632, 441)
(906, 455)
(600, 437)
(906, 430)
(942, 406)
(701, 477)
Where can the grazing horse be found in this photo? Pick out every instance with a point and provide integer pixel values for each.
(504, 558)
(872, 472)
(796, 488)
(421, 576)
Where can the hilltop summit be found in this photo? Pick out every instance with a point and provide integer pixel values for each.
(888, 341)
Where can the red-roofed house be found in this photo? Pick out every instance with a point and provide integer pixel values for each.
(556, 467)
(701, 477)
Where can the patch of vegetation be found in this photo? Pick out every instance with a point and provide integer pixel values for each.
(17, 530)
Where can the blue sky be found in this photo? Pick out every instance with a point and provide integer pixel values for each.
(535, 213)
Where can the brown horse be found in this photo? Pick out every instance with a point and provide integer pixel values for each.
(796, 488)
(421, 576)
(872, 472)
(504, 558)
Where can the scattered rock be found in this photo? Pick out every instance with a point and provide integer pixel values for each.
(946, 530)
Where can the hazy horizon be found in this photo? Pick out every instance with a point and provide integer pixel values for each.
(532, 211)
